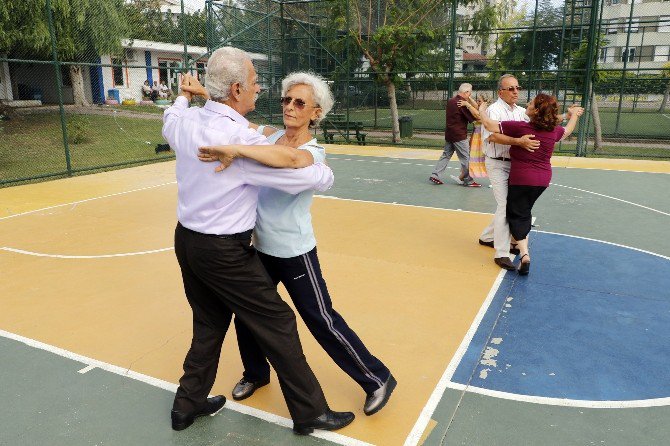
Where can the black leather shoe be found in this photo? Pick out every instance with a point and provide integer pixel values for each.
(483, 243)
(181, 421)
(244, 389)
(376, 400)
(329, 421)
(505, 263)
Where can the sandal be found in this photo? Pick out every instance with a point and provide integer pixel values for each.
(513, 249)
(524, 267)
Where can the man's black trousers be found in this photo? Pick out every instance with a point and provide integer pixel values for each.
(225, 276)
(304, 282)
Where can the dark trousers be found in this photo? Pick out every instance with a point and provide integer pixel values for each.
(520, 201)
(303, 280)
(223, 277)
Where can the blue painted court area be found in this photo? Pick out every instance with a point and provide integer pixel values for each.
(590, 323)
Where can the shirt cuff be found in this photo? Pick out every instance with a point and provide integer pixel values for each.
(181, 100)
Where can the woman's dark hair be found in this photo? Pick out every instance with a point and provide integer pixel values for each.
(546, 112)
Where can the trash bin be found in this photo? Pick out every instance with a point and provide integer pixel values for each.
(114, 94)
(406, 126)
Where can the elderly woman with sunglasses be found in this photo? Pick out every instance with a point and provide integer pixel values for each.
(285, 240)
(530, 171)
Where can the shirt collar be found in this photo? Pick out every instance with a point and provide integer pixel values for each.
(225, 110)
(506, 106)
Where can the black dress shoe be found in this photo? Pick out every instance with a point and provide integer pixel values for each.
(483, 243)
(378, 399)
(244, 389)
(181, 421)
(329, 421)
(505, 263)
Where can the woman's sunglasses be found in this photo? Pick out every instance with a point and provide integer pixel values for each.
(298, 103)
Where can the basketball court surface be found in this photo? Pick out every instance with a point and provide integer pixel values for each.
(94, 324)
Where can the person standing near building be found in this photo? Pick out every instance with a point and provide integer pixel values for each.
(221, 271)
(456, 139)
(497, 235)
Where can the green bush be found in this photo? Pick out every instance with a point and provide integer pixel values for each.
(78, 128)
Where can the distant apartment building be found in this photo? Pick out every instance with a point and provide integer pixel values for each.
(648, 47)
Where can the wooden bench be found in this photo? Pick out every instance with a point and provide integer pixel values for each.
(331, 127)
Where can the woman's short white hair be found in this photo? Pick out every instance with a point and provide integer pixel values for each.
(225, 67)
(323, 97)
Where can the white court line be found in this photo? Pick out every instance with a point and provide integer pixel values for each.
(88, 368)
(86, 200)
(161, 384)
(445, 382)
(666, 116)
(331, 197)
(612, 198)
(335, 156)
(101, 256)
(435, 397)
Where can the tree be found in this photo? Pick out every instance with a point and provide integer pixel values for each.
(84, 29)
(516, 48)
(393, 36)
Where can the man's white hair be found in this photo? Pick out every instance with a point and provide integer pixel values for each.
(225, 67)
(465, 87)
(323, 97)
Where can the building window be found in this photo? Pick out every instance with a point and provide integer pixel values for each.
(65, 75)
(117, 72)
(662, 53)
(628, 54)
(646, 54)
(664, 24)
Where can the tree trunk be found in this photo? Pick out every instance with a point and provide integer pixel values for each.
(390, 87)
(666, 95)
(597, 127)
(77, 79)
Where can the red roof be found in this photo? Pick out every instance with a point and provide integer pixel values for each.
(473, 56)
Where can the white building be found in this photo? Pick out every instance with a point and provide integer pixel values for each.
(649, 42)
(116, 76)
(471, 44)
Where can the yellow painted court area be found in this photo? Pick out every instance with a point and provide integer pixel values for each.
(407, 298)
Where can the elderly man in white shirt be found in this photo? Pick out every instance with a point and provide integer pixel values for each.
(221, 271)
(496, 234)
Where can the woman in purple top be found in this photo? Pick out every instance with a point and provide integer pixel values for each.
(530, 172)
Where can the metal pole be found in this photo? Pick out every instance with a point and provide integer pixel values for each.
(452, 48)
(532, 52)
(270, 64)
(183, 28)
(639, 64)
(59, 86)
(588, 75)
(623, 71)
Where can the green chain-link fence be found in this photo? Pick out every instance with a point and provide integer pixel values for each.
(73, 97)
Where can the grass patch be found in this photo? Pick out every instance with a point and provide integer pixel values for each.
(32, 145)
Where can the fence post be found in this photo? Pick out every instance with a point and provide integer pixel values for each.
(452, 49)
(588, 93)
(59, 86)
(626, 54)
